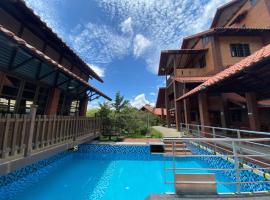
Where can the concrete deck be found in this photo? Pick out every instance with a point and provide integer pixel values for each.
(167, 132)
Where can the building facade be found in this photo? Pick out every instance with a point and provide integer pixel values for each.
(37, 67)
(239, 29)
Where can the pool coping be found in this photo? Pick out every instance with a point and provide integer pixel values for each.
(247, 196)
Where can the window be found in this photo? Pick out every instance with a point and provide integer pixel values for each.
(240, 50)
(205, 40)
(253, 2)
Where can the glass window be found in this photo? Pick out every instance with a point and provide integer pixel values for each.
(240, 50)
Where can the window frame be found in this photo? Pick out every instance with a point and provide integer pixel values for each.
(240, 49)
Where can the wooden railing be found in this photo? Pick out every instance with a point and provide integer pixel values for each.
(23, 134)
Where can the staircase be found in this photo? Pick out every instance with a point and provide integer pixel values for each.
(178, 146)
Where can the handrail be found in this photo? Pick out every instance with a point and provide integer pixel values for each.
(237, 150)
(229, 129)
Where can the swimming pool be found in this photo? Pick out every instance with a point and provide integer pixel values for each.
(99, 172)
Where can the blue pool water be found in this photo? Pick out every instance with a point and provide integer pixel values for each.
(99, 172)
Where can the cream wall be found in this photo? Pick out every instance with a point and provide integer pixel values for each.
(258, 15)
(255, 43)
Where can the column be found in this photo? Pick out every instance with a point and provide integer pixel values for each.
(83, 106)
(252, 108)
(177, 105)
(186, 103)
(168, 116)
(203, 109)
(53, 102)
(223, 111)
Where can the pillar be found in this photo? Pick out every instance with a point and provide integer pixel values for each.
(203, 109)
(186, 103)
(177, 105)
(83, 106)
(252, 108)
(53, 102)
(168, 116)
(223, 111)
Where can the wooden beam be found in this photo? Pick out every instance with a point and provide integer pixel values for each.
(19, 96)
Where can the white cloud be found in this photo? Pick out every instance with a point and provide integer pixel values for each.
(140, 45)
(146, 27)
(139, 101)
(99, 43)
(99, 70)
(152, 93)
(126, 26)
(164, 22)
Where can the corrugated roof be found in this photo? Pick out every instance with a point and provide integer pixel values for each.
(21, 6)
(23, 44)
(246, 63)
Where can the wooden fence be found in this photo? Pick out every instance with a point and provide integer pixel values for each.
(22, 134)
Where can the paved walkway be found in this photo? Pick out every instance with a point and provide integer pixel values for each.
(167, 132)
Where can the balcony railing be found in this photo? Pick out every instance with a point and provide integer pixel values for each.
(20, 135)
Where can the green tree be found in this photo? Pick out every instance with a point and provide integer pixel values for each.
(119, 103)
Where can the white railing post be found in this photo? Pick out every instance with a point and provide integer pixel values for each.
(214, 136)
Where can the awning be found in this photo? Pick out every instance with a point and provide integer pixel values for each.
(182, 57)
(249, 75)
(21, 58)
(196, 79)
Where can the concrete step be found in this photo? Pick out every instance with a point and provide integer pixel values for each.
(176, 149)
(176, 145)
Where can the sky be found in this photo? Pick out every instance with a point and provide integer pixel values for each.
(122, 39)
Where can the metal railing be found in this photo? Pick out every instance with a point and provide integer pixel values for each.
(22, 134)
(245, 150)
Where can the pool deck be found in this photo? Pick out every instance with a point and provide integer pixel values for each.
(168, 132)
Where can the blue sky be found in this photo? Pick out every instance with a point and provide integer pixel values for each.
(121, 39)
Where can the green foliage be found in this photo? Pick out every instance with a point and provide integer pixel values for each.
(92, 112)
(121, 119)
(155, 133)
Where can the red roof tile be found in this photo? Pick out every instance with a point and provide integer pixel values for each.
(155, 111)
(234, 69)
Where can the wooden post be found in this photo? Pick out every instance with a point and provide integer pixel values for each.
(203, 108)
(29, 147)
(252, 108)
(5, 139)
(186, 106)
